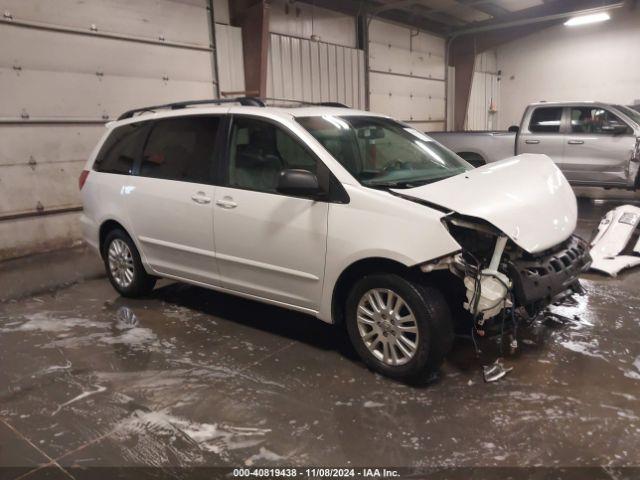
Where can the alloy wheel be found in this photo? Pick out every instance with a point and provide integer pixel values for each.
(121, 263)
(387, 326)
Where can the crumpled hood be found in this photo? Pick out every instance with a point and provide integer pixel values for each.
(526, 197)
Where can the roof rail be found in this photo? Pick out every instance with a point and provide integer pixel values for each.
(306, 103)
(246, 101)
(331, 104)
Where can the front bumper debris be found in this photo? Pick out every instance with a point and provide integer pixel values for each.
(538, 279)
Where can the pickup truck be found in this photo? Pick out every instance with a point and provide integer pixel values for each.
(593, 143)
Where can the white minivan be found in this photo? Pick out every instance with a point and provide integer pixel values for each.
(346, 215)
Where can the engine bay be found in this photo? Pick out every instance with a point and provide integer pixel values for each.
(503, 281)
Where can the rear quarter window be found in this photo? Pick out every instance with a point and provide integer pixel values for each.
(121, 149)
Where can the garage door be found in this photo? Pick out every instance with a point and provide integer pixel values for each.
(406, 75)
(67, 67)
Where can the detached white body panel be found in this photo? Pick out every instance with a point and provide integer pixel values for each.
(614, 233)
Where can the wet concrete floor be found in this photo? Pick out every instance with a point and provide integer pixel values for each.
(189, 377)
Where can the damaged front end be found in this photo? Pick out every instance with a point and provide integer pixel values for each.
(501, 278)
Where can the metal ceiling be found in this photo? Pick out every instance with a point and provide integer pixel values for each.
(446, 17)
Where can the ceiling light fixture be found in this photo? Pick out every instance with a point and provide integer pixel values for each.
(586, 19)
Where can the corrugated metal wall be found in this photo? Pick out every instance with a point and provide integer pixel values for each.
(451, 98)
(66, 67)
(230, 58)
(407, 75)
(302, 20)
(304, 70)
(483, 110)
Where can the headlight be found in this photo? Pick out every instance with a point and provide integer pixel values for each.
(476, 237)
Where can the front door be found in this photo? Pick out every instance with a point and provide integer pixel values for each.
(595, 152)
(171, 202)
(268, 245)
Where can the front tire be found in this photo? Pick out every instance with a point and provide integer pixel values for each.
(400, 328)
(124, 267)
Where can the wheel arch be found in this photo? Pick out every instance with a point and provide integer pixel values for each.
(475, 158)
(355, 271)
(106, 227)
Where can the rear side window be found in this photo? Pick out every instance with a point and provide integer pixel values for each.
(546, 120)
(121, 149)
(181, 149)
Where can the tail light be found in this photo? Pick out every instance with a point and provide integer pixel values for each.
(83, 178)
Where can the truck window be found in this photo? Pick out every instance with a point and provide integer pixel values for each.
(546, 120)
(592, 119)
(633, 113)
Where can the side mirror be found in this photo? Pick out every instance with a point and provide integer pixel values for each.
(615, 128)
(298, 183)
(514, 129)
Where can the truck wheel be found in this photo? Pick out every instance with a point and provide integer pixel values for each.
(475, 159)
(399, 328)
(123, 265)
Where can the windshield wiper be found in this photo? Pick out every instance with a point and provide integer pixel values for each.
(384, 185)
(406, 184)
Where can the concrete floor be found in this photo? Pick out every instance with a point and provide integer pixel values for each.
(190, 378)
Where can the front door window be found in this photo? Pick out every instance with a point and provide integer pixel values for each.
(594, 120)
(259, 151)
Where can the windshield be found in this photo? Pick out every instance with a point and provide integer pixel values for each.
(630, 112)
(381, 152)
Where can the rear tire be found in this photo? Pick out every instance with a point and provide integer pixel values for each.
(124, 267)
(412, 319)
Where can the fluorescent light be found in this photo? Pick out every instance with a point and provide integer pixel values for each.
(586, 19)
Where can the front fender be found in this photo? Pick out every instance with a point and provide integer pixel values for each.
(378, 224)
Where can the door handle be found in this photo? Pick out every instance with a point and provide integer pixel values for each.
(201, 198)
(226, 202)
(532, 142)
(575, 142)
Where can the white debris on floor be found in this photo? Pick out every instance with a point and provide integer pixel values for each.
(495, 371)
(609, 248)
